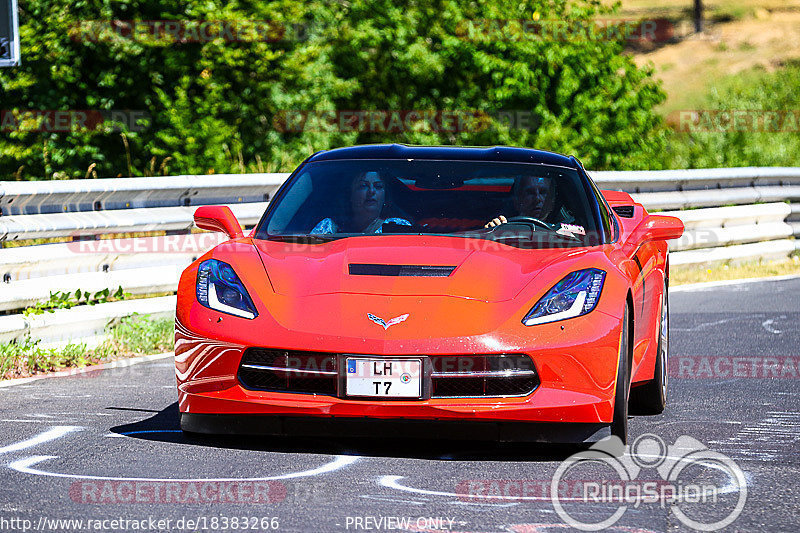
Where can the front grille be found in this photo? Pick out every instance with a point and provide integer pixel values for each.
(452, 376)
(289, 371)
(482, 375)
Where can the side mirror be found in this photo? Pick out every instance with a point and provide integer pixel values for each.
(658, 228)
(218, 218)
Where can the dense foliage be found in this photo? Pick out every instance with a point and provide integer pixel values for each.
(222, 105)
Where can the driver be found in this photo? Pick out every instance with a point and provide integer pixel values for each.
(532, 196)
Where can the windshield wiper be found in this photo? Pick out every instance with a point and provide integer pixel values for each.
(303, 239)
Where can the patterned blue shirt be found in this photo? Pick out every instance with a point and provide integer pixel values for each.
(327, 226)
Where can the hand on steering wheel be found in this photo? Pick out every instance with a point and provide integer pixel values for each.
(503, 220)
(496, 222)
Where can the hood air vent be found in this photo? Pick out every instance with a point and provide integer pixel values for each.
(625, 211)
(418, 271)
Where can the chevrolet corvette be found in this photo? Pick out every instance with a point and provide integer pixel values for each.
(493, 293)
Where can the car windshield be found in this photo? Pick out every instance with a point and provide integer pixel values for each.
(519, 204)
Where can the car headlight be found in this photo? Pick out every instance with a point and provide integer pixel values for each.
(575, 295)
(219, 288)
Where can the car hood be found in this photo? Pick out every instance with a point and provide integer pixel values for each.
(481, 270)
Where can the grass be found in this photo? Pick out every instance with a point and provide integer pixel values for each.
(27, 357)
(681, 275)
(139, 335)
(136, 335)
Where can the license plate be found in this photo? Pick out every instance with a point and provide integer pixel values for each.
(384, 378)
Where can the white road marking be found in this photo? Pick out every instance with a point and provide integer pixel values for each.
(388, 499)
(26, 421)
(50, 434)
(767, 325)
(774, 438)
(512, 504)
(392, 482)
(25, 466)
(706, 324)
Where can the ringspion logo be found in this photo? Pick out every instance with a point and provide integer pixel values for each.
(704, 489)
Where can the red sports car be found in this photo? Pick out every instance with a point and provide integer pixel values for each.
(492, 293)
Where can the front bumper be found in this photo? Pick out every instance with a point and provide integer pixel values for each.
(505, 431)
(576, 362)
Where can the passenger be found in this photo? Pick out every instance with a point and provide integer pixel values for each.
(365, 211)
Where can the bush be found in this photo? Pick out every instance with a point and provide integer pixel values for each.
(588, 98)
(757, 91)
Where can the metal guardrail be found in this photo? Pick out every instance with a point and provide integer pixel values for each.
(636, 181)
(86, 323)
(96, 206)
(722, 226)
(28, 262)
(38, 226)
(730, 214)
(61, 196)
(716, 197)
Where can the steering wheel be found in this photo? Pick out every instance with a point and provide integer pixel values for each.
(532, 220)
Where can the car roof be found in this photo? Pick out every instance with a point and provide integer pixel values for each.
(456, 153)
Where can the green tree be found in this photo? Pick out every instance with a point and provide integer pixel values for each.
(588, 98)
(220, 106)
(210, 103)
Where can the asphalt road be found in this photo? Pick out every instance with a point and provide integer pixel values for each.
(104, 448)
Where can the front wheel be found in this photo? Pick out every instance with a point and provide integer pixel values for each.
(619, 424)
(651, 398)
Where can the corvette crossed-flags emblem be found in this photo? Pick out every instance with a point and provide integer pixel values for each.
(381, 322)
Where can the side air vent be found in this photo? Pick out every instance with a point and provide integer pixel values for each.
(625, 211)
(418, 271)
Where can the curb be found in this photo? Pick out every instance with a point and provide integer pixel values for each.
(118, 363)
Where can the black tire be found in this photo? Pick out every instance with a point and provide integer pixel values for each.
(651, 398)
(619, 424)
